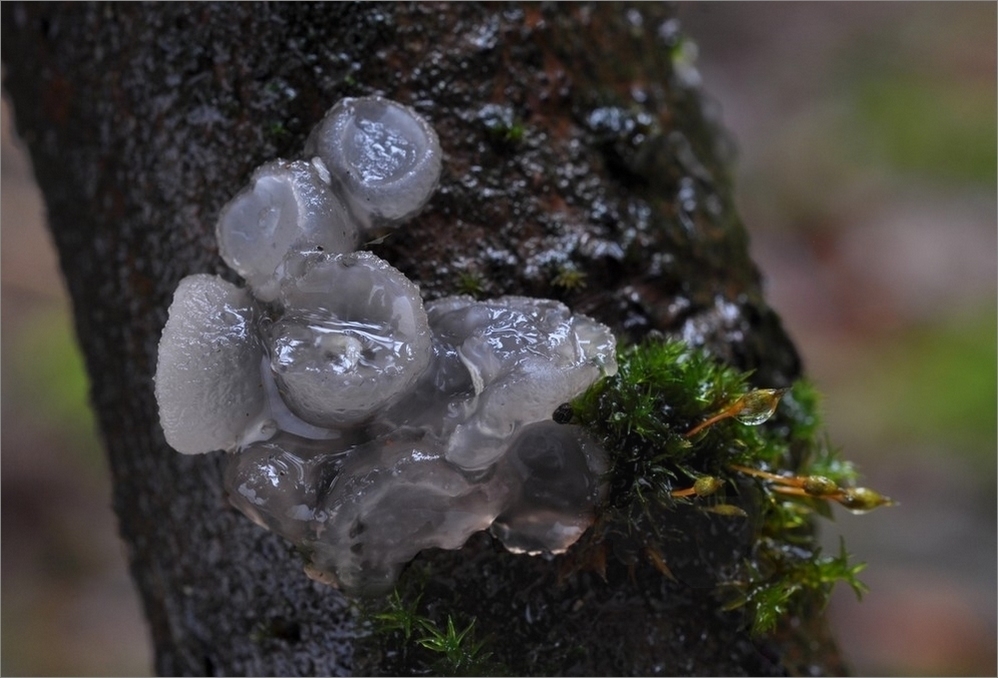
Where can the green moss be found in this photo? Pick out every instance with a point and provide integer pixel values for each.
(569, 278)
(470, 282)
(441, 646)
(461, 653)
(276, 130)
(502, 125)
(399, 615)
(688, 434)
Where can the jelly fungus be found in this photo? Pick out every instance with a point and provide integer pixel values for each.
(361, 425)
(287, 208)
(383, 157)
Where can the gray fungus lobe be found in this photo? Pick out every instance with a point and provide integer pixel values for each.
(360, 424)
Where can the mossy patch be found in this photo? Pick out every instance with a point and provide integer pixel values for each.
(447, 648)
(685, 432)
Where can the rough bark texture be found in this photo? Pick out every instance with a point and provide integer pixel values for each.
(571, 144)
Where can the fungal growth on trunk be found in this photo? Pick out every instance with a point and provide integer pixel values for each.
(288, 208)
(383, 158)
(361, 425)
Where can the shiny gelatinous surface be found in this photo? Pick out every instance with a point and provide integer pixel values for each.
(384, 157)
(555, 470)
(352, 337)
(525, 357)
(394, 497)
(277, 482)
(288, 207)
(364, 426)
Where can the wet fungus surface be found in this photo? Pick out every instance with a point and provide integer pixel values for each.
(360, 424)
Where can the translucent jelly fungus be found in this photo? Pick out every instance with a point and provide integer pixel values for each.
(276, 482)
(208, 382)
(524, 357)
(288, 207)
(353, 337)
(555, 471)
(394, 497)
(363, 426)
(384, 158)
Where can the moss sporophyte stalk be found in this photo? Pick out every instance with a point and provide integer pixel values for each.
(690, 442)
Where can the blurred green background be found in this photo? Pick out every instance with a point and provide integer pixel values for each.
(866, 170)
(866, 174)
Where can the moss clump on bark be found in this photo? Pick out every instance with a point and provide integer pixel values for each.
(687, 435)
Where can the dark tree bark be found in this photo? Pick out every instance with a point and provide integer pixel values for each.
(571, 144)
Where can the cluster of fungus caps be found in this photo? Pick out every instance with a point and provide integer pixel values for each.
(363, 425)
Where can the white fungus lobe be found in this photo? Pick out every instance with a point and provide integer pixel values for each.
(363, 426)
(208, 382)
(384, 158)
(525, 357)
(393, 498)
(287, 208)
(352, 338)
(276, 483)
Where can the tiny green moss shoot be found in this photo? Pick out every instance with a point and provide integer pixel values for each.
(684, 431)
(569, 278)
(471, 283)
(441, 647)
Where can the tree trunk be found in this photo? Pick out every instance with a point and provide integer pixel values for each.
(575, 152)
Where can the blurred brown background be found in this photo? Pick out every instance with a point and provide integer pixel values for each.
(866, 174)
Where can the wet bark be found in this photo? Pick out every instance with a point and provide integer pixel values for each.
(579, 166)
